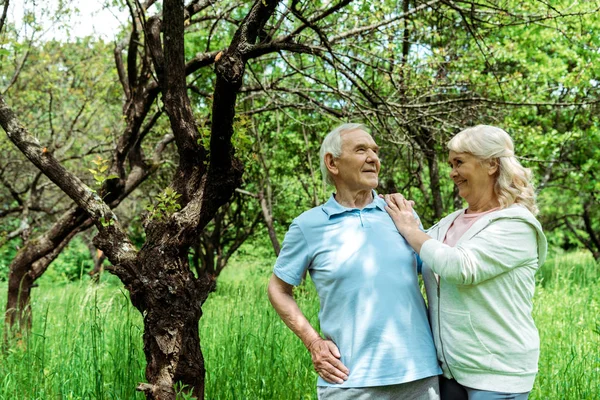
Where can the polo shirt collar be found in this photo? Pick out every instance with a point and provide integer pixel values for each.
(332, 207)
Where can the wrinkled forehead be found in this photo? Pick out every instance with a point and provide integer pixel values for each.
(357, 136)
(454, 155)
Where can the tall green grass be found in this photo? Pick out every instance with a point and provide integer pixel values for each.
(86, 339)
(567, 314)
(85, 344)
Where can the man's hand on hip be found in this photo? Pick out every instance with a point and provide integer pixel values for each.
(326, 360)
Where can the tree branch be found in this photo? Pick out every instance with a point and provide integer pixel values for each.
(103, 217)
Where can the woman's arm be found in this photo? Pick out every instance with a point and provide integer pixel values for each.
(502, 246)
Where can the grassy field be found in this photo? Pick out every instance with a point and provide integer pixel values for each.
(86, 339)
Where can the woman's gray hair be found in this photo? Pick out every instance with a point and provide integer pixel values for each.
(489, 144)
(332, 144)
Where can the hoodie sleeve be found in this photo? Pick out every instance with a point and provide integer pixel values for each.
(501, 246)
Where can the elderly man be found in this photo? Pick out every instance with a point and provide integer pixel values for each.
(377, 344)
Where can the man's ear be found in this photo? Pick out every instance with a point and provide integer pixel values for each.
(331, 164)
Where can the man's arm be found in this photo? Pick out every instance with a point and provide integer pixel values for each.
(325, 354)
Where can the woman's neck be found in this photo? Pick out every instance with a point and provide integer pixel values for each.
(482, 206)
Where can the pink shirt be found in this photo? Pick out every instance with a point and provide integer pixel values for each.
(461, 224)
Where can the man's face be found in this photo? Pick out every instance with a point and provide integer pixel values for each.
(358, 165)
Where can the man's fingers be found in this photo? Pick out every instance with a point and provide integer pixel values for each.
(330, 378)
(339, 366)
(332, 372)
(336, 363)
(333, 349)
(326, 356)
(407, 205)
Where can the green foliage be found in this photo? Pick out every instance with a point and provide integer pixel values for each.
(165, 204)
(73, 263)
(182, 392)
(204, 139)
(7, 253)
(99, 173)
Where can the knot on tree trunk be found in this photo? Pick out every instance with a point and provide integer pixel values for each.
(231, 68)
(156, 392)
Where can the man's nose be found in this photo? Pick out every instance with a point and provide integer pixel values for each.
(372, 156)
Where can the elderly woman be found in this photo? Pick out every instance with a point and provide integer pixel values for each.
(479, 267)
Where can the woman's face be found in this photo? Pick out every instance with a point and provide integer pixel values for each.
(474, 178)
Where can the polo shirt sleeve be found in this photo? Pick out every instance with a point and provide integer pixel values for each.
(503, 245)
(294, 259)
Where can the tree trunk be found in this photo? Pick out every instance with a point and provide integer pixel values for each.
(426, 141)
(171, 304)
(18, 310)
(269, 222)
(31, 262)
(458, 201)
(434, 179)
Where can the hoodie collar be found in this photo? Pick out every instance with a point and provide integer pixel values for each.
(515, 211)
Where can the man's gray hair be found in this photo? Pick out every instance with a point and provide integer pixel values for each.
(332, 144)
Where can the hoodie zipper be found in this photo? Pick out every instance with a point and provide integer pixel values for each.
(439, 284)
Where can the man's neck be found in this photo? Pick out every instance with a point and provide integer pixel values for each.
(354, 199)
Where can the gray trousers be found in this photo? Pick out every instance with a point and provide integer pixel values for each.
(423, 389)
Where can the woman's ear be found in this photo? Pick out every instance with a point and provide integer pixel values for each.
(330, 163)
(493, 166)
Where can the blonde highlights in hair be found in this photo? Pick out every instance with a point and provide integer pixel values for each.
(492, 144)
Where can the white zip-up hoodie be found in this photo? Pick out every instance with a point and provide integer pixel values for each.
(480, 310)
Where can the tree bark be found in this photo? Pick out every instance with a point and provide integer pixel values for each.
(269, 222)
(18, 311)
(171, 303)
(426, 141)
(434, 179)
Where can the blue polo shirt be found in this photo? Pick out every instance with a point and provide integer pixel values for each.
(365, 274)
